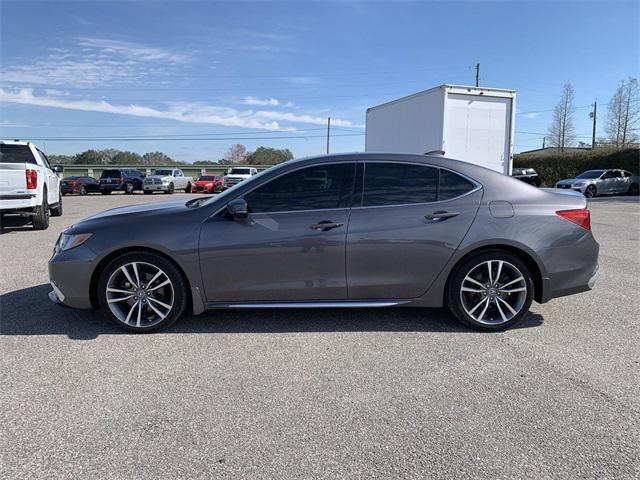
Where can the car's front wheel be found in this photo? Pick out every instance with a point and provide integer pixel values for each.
(590, 192)
(492, 290)
(142, 292)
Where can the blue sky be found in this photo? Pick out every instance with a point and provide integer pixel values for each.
(278, 69)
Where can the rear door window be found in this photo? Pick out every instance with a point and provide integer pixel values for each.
(399, 184)
(16, 154)
(452, 185)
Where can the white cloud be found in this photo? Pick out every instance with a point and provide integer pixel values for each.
(189, 112)
(94, 62)
(274, 102)
(135, 51)
(530, 114)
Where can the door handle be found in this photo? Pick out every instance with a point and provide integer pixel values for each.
(441, 215)
(325, 225)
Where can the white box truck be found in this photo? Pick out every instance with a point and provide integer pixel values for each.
(473, 124)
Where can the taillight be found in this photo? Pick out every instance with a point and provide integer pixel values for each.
(32, 179)
(580, 217)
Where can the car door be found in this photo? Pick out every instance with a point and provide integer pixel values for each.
(619, 182)
(292, 245)
(606, 184)
(178, 179)
(412, 219)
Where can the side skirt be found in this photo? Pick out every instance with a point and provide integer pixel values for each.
(316, 304)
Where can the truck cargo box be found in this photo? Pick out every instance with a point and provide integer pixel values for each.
(473, 124)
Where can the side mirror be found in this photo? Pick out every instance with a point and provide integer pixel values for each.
(58, 169)
(238, 208)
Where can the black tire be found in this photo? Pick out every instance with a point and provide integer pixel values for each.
(105, 192)
(454, 293)
(633, 190)
(40, 220)
(177, 280)
(147, 192)
(83, 191)
(56, 211)
(128, 188)
(591, 191)
(171, 189)
(188, 188)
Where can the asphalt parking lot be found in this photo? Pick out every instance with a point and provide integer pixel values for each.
(370, 393)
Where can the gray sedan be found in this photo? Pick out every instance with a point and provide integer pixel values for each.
(356, 230)
(602, 182)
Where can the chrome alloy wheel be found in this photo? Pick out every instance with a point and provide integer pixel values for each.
(493, 292)
(140, 294)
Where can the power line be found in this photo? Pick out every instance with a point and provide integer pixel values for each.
(137, 139)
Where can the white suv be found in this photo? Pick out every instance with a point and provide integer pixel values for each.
(28, 184)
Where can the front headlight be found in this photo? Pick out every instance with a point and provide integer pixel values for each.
(68, 241)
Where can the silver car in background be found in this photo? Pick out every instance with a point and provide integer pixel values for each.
(602, 182)
(352, 230)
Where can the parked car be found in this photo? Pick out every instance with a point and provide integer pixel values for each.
(527, 175)
(29, 186)
(602, 182)
(127, 180)
(236, 175)
(80, 185)
(167, 180)
(351, 230)
(209, 183)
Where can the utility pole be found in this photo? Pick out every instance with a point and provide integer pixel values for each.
(594, 116)
(544, 142)
(328, 132)
(477, 74)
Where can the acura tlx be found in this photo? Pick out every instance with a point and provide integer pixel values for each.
(352, 230)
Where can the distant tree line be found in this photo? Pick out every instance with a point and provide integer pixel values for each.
(237, 154)
(620, 124)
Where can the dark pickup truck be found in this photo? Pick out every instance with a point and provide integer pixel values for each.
(527, 175)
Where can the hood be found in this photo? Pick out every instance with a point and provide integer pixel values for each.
(162, 177)
(145, 209)
(204, 182)
(573, 181)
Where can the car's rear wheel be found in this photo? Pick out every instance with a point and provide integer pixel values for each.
(83, 191)
(591, 191)
(56, 211)
(492, 290)
(633, 190)
(142, 292)
(40, 220)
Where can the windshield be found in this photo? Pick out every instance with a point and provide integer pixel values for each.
(206, 178)
(240, 171)
(591, 174)
(163, 172)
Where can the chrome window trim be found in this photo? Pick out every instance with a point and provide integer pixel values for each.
(477, 186)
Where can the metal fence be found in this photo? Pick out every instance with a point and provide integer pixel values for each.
(189, 170)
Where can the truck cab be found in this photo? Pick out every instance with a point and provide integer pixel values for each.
(236, 175)
(29, 186)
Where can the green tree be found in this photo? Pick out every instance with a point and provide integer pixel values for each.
(126, 158)
(269, 156)
(157, 158)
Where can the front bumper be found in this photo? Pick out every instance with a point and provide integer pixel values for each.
(155, 188)
(575, 188)
(70, 277)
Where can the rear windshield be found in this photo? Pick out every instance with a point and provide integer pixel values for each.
(206, 178)
(110, 174)
(240, 171)
(70, 178)
(16, 154)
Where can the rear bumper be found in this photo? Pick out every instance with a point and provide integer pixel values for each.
(572, 269)
(18, 202)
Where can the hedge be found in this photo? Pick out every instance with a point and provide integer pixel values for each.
(556, 166)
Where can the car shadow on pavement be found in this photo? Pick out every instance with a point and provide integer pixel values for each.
(30, 312)
(15, 223)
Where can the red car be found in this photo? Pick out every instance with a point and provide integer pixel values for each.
(208, 184)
